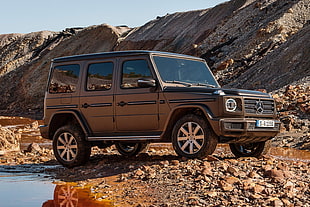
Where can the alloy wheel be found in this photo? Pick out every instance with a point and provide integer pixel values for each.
(190, 137)
(67, 146)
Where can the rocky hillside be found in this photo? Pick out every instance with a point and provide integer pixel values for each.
(25, 61)
(247, 43)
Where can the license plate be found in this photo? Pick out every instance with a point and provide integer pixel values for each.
(264, 123)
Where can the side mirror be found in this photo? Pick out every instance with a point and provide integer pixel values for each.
(146, 83)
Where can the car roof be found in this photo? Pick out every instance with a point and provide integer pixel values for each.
(119, 54)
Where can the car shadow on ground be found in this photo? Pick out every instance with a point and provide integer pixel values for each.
(108, 165)
(100, 165)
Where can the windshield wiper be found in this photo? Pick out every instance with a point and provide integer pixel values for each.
(205, 84)
(180, 82)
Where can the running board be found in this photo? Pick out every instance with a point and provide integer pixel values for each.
(124, 138)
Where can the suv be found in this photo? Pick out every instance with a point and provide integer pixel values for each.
(132, 98)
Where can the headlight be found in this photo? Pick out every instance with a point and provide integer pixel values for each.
(231, 105)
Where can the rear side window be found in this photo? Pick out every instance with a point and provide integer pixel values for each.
(99, 76)
(64, 79)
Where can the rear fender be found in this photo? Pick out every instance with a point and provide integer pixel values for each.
(64, 117)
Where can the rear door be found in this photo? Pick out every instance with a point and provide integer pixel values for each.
(136, 109)
(96, 98)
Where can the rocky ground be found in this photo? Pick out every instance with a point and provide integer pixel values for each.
(159, 177)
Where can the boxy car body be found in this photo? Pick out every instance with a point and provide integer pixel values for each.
(131, 98)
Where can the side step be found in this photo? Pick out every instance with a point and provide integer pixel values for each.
(124, 138)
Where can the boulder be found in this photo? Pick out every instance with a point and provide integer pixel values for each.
(9, 140)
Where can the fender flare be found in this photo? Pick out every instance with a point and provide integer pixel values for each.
(202, 107)
(78, 116)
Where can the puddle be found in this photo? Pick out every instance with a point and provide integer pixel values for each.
(17, 121)
(280, 153)
(27, 139)
(290, 154)
(22, 189)
(32, 189)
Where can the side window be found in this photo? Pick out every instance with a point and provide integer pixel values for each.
(134, 70)
(64, 79)
(99, 76)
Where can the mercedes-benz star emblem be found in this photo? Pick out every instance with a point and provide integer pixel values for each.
(259, 107)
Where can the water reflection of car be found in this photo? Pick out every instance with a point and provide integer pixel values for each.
(70, 196)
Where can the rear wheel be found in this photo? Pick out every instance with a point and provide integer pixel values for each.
(70, 147)
(130, 149)
(192, 137)
(256, 149)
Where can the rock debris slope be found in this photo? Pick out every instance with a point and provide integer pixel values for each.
(247, 43)
(24, 68)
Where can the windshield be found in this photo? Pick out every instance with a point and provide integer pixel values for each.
(184, 71)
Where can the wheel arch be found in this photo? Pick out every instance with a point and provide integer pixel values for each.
(182, 110)
(65, 117)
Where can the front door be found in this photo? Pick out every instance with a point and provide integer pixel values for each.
(136, 109)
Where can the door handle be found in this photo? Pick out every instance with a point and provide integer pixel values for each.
(122, 103)
(85, 105)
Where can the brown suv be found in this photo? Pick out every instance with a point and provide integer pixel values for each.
(132, 98)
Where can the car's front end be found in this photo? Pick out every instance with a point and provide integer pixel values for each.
(236, 116)
(247, 116)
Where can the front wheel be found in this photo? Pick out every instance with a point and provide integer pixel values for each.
(192, 137)
(129, 149)
(70, 147)
(256, 149)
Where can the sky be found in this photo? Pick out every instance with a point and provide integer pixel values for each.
(25, 16)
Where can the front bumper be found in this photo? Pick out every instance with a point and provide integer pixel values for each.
(247, 127)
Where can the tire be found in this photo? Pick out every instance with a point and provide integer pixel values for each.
(256, 149)
(192, 137)
(70, 147)
(129, 149)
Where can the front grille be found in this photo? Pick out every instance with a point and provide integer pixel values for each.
(259, 106)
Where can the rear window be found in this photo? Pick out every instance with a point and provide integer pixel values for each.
(64, 79)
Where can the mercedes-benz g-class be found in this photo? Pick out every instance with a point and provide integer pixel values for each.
(132, 98)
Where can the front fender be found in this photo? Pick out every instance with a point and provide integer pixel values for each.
(180, 110)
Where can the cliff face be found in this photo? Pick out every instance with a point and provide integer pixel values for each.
(247, 43)
(287, 64)
(252, 34)
(233, 37)
(182, 32)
